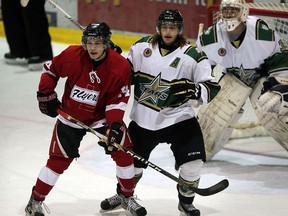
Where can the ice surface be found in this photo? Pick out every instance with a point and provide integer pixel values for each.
(258, 183)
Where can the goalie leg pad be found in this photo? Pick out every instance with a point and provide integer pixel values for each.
(223, 111)
(277, 126)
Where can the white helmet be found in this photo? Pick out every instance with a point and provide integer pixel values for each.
(233, 12)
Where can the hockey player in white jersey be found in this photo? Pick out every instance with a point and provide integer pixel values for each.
(255, 64)
(168, 75)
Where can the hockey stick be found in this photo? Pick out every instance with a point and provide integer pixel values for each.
(24, 3)
(200, 29)
(66, 14)
(220, 186)
(115, 47)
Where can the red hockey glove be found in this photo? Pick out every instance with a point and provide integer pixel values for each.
(48, 103)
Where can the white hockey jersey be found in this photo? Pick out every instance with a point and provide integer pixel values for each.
(257, 56)
(154, 107)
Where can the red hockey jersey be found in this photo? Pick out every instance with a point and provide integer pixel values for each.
(92, 95)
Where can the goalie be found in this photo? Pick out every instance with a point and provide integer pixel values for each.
(255, 64)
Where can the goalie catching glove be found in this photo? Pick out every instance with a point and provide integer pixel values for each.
(48, 103)
(186, 88)
(274, 97)
(115, 133)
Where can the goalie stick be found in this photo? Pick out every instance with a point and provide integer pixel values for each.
(220, 186)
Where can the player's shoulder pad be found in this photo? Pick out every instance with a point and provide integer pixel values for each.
(209, 36)
(144, 39)
(263, 32)
(72, 53)
(194, 52)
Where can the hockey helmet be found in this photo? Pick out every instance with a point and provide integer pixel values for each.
(168, 17)
(98, 31)
(233, 12)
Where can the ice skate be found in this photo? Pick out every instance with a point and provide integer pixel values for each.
(188, 209)
(111, 203)
(34, 207)
(130, 204)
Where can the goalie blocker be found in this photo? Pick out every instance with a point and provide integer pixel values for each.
(218, 117)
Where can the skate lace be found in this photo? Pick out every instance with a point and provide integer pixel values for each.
(114, 200)
(46, 208)
(38, 207)
(132, 204)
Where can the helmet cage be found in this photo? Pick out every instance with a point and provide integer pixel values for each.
(233, 12)
(170, 18)
(97, 31)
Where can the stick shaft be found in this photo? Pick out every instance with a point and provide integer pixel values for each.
(66, 15)
(200, 29)
(203, 192)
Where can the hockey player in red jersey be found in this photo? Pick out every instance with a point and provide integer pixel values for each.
(96, 92)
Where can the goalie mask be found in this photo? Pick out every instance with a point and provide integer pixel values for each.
(98, 31)
(233, 12)
(170, 17)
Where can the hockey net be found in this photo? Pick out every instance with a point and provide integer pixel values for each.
(276, 15)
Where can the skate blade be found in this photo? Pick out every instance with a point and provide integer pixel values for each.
(114, 213)
(118, 210)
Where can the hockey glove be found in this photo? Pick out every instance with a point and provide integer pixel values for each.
(116, 133)
(48, 103)
(105, 146)
(275, 100)
(267, 84)
(185, 87)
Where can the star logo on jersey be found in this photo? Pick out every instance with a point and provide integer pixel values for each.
(154, 90)
(247, 76)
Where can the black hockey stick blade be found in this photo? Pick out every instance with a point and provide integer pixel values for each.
(220, 186)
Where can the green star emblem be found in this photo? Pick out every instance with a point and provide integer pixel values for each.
(154, 90)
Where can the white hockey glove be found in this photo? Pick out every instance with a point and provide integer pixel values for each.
(275, 100)
(274, 97)
(186, 88)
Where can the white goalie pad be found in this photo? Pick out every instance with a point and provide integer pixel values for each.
(217, 117)
(276, 125)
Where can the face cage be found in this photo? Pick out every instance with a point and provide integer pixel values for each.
(231, 15)
(169, 23)
(231, 11)
(105, 41)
